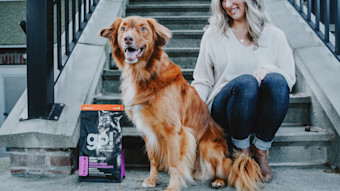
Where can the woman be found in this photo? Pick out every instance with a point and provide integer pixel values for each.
(244, 73)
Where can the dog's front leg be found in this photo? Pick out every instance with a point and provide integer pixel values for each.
(173, 148)
(152, 179)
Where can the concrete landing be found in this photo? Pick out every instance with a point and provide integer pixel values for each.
(285, 179)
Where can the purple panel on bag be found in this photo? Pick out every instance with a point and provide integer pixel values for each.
(83, 165)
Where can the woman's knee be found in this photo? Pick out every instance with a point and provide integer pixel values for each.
(274, 85)
(274, 81)
(245, 84)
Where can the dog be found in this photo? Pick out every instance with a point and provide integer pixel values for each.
(179, 133)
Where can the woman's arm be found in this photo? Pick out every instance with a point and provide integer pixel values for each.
(204, 70)
(285, 64)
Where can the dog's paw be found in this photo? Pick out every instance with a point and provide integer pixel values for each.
(198, 176)
(171, 189)
(149, 182)
(218, 183)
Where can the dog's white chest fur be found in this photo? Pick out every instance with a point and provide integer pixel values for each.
(129, 93)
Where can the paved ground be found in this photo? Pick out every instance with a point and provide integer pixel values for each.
(286, 179)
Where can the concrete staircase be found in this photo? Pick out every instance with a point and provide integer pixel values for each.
(296, 144)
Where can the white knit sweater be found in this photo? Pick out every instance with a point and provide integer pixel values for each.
(222, 58)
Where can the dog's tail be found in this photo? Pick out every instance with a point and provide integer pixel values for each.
(245, 173)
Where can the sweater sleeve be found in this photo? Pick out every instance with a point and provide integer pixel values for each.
(204, 70)
(285, 64)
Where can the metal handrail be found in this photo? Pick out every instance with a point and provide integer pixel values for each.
(81, 11)
(326, 14)
(50, 26)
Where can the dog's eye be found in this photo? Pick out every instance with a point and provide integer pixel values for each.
(143, 29)
(122, 29)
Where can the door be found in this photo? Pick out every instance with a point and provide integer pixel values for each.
(12, 85)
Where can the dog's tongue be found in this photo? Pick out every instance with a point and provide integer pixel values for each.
(131, 55)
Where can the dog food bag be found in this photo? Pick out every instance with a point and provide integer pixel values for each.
(101, 157)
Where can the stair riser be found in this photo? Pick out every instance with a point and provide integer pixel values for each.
(181, 25)
(185, 59)
(297, 113)
(168, 11)
(134, 152)
(289, 154)
(184, 62)
(112, 84)
(298, 155)
(110, 87)
(134, 2)
(190, 41)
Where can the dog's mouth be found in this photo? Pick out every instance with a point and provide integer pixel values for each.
(133, 54)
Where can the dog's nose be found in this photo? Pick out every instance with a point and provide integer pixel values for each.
(128, 39)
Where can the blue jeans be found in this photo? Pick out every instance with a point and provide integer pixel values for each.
(243, 107)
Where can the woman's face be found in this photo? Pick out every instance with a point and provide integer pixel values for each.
(235, 9)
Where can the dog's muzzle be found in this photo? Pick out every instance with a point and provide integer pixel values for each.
(132, 54)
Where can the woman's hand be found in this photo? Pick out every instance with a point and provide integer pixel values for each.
(260, 74)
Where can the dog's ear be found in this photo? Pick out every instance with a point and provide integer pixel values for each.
(161, 34)
(106, 33)
(111, 32)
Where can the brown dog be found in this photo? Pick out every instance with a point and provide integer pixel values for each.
(178, 131)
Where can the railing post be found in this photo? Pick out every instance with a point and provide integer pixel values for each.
(337, 27)
(309, 10)
(327, 14)
(317, 15)
(40, 71)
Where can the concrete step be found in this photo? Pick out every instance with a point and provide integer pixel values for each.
(111, 80)
(298, 112)
(186, 38)
(185, 56)
(138, 2)
(111, 83)
(159, 9)
(292, 146)
(183, 22)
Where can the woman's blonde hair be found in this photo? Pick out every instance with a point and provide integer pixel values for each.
(254, 15)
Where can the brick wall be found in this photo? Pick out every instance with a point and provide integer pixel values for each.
(48, 162)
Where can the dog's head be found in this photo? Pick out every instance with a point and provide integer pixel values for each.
(134, 39)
